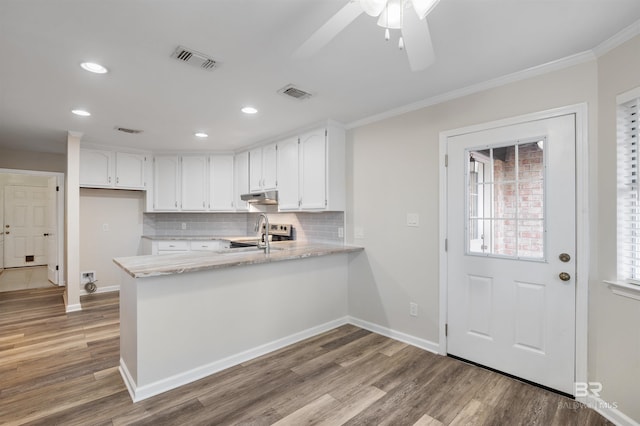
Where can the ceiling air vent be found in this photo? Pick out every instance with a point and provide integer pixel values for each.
(130, 131)
(294, 92)
(193, 58)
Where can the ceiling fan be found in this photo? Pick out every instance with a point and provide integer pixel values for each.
(408, 16)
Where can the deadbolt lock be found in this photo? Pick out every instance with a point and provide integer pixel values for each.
(564, 257)
(564, 276)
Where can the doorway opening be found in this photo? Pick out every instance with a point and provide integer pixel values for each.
(32, 233)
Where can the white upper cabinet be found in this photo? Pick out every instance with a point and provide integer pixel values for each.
(313, 170)
(130, 170)
(221, 177)
(288, 165)
(166, 187)
(108, 169)
(241, 180)
(194, 179)
(263, 168)
(96, 168)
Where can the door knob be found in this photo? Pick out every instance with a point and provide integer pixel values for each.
(564, 276)
(7, 232)
(564, 257)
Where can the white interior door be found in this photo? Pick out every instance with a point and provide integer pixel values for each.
(51, 236)
(26, 210)
(511, 250)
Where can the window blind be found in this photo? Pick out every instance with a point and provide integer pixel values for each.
(628, 191)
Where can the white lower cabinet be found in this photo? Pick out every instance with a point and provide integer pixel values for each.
(182, 246)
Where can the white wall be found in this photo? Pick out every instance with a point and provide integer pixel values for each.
(29, 160)
(614, 320)
(121, 211)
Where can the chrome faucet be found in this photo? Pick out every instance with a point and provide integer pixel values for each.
(265, 237)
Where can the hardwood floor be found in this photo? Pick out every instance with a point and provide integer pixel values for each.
(62, 369)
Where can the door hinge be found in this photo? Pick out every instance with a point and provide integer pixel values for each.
(326, 132)
(57, 267)
(446, 244)
(325, 203)
(446, 160)
(446, 330)
(57, 189)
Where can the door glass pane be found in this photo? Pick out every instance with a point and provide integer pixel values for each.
(505, 200)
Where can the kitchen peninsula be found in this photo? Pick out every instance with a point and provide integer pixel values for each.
(188, 315)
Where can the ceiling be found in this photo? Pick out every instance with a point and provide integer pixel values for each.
(355, 76)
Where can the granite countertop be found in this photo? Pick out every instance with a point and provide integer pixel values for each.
(169, 264)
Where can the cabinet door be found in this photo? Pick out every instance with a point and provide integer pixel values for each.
(313, 170)
(255, 169)
(166, 189)
(130, 170)
(288, 198)
(270, 166)
(194, 183)
(221, 183)
(96, 168)
(241, 171)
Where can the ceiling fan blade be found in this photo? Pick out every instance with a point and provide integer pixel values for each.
(417, 42)
(329, 30)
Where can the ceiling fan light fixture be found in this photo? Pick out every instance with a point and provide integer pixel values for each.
(424, 7)
(373, 7)
(391, 16)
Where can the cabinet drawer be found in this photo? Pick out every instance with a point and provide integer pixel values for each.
(173, 245)
(211, 245)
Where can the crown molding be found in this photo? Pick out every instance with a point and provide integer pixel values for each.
(559, 64)
(621, 37)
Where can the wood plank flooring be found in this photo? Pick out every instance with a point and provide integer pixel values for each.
(62, 369)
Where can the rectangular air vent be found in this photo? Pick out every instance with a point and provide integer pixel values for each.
(294, 92)
(193, 58)
(131, 131)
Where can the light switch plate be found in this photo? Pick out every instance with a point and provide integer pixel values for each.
(413, 219)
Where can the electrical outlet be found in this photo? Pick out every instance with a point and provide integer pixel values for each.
(358, 232)
(184, 225)
(340, 232)
(105, 227)
(413, 309)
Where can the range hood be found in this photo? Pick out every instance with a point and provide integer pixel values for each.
(264, 197)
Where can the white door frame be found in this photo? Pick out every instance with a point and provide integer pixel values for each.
(582, 223)
(60, 213)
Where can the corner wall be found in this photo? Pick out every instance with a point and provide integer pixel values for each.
(614, 320)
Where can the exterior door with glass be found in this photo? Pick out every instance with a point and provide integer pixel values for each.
(511, 249)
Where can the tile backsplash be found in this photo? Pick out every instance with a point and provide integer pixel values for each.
(315, 227)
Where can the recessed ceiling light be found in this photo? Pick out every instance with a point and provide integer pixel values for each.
(81, 112)
(249, 110)
(94, 68)
(201, 135)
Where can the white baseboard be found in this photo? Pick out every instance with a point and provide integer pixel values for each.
(608, 410)
(427, 345)
(73, 308)
(106, 289)
(138, 393)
